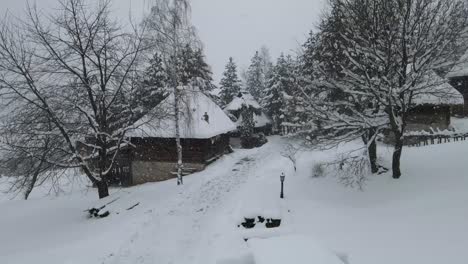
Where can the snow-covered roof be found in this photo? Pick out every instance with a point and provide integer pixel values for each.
(461, 67)
(200, 118)
(244, 98)
(259, 120)
(435, 90)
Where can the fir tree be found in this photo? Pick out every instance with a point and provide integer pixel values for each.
(258, 73)
(193, 68)
(152, 91)
(247, 126)
(230, 83)
(280, 91)
(254, 76)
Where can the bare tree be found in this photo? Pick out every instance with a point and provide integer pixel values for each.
(75, 68)
(290, 152)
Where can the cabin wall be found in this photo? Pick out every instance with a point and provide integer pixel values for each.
(427, 117)
(155, 159)
(461, 84)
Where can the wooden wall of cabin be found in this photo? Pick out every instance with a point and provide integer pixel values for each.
(461, 84)
(154, 159)
(193, 150)
(425, 117)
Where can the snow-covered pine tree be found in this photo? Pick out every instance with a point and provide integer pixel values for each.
(294, 98)
(267, 64)
(255, 78)
(247, 126)
(153, 88)
(230, 84)
(193, 68)
(282, 97)
(274, 100)
(326, 47)
(258, 73)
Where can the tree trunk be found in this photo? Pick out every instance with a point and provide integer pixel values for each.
(372, 152)
(370, 141)
(103, 189)
(180, 180)
(37, 171)
(396, 157)
(32, 183)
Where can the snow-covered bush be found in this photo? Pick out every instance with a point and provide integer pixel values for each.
(253, 141)
(318, 170)
(351, 171)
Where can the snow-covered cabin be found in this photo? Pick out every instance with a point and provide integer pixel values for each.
(432, 104)
(262, 122)
(458, 77)
(204, 129)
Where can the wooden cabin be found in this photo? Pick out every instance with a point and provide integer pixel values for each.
(263, 123)
(433, 105)
(458, 77)
(204, 129)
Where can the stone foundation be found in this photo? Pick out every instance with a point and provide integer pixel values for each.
(154, 171)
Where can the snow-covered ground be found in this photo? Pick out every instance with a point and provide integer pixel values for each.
(421, 218)
(460, 124)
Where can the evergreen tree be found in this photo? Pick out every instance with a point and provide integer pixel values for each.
(230, 83)
(246, 129)
(309, 57)
(152, 90)
(255, 81)
(327, 46)
(258, 73)
(193, 68)
(294, 97)
(279, 96)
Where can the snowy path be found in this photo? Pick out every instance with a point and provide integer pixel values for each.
(184, 229)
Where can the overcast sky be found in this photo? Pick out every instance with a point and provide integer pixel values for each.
(230, 27)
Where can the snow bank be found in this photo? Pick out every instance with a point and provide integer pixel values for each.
(295, 249)
(459, 124)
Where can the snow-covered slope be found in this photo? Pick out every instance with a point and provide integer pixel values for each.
(420, 218)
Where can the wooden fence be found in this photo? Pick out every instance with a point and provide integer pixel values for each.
(426, 140)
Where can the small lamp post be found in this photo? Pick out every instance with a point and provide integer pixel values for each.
(282, 182)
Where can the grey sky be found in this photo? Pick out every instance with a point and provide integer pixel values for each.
(231, 27)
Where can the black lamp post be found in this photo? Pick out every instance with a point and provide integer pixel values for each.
(282, 182)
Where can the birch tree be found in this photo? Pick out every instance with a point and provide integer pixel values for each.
(169, 32)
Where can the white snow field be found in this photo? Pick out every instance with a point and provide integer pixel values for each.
(420, 219)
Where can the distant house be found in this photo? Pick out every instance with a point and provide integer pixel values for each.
(458, 77)
(204, 129)
(262, 122)
(432, 106)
